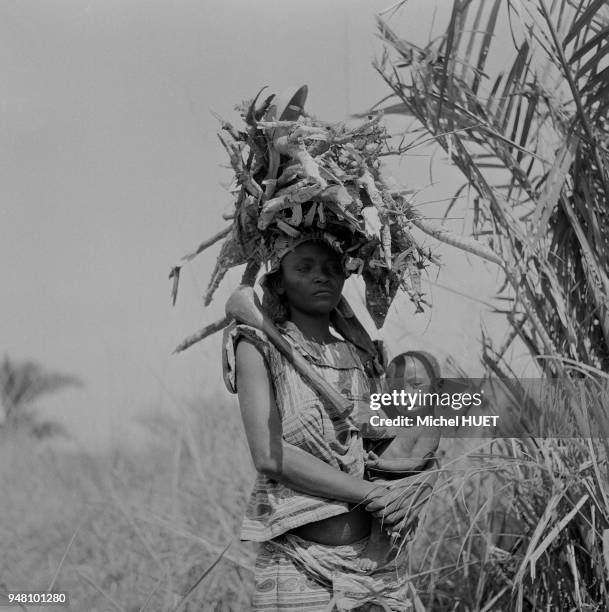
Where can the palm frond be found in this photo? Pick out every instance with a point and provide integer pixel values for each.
(534, 150)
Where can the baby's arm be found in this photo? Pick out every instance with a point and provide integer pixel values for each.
(408, 453)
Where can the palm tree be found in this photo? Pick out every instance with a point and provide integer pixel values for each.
(20, 385)
(532, 142)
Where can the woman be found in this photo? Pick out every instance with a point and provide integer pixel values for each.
(311, 507)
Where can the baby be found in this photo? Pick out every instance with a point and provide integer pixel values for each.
(404, 456)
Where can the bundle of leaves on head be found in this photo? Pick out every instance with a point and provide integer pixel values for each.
(295, 175)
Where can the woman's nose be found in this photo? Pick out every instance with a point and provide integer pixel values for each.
(321, 275)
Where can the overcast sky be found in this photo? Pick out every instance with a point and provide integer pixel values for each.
(110, 170)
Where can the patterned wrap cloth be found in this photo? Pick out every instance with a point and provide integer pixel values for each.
(292, 573)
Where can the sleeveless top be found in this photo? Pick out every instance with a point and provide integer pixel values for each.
(308, 422)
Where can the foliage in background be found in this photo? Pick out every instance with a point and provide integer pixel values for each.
(521, 524)
(21, 384)
(527, 528)
(531, 141)
(133, 531)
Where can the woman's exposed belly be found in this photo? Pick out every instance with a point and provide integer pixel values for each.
(337, 530)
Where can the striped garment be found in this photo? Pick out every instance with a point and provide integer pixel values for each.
(295, 574)
(307, 423)
(292, 573)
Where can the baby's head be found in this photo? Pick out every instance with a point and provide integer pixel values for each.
(414, 371)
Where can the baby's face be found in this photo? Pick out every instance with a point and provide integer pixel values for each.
(407, 372)
(415, 375)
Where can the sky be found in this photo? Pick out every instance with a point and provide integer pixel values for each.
(111, 170)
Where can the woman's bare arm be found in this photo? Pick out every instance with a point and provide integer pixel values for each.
(399, 464)
(274, 456)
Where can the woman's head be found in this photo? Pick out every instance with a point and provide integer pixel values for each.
(310, 279)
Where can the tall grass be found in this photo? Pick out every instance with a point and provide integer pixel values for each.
(515, 524)
(132, 531)
(523, 524)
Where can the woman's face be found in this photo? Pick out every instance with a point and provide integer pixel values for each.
(311, 278)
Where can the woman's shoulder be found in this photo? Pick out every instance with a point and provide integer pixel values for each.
(233, 335)
(241, 331)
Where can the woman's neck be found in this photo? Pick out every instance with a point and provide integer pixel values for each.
(313, 327)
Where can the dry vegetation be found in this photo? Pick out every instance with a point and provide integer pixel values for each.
(129, 531)
(523, 524)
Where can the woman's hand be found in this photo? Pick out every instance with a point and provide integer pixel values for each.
(400, 503)
(373, 502)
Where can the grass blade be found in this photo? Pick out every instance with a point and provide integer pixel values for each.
(194, 587)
